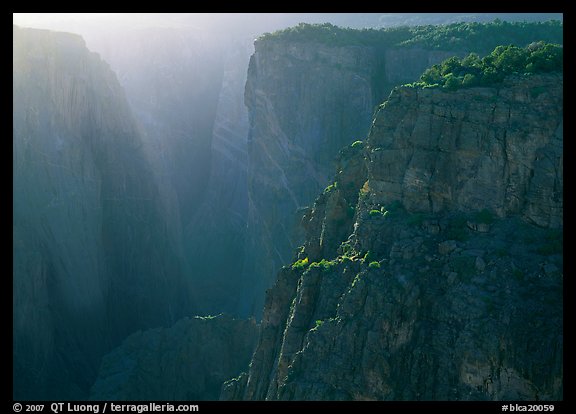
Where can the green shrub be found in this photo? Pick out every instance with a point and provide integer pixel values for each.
(452, 82)
(374, 265)
(325, 265)
(346, 259)
(300, 264)
(483, 37)
(453, 73)
(346, 247)
(331, 187)
(319, 323)
(375, 213)
(480, 37)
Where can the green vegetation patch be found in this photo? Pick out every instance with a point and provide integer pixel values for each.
(346, 249)
(300, 264)
(481, 37)
(329, 34)
(455, 73)
(374, 265)
(331, 187)
(325, 265)
(382, 212)
(375, 213)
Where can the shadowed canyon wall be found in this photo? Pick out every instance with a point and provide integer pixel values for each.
(432, 268)
(93, 259)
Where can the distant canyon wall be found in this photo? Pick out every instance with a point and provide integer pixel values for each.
(186, 88)
(93, 257)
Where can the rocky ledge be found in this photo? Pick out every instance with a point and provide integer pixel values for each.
(432, 267)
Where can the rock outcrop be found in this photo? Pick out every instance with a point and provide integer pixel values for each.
(308, 97)
(305, 102)
(432, 267)
(93, 257)
(188, 361)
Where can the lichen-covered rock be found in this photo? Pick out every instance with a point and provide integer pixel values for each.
(446, 283)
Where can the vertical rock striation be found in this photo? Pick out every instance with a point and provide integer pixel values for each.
(432, 268)
(306, 100)
(93, 258)
(314, 89)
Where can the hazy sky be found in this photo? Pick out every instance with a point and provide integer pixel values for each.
(259, 21)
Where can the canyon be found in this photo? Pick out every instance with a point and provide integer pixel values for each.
(430, 261)
(396, 242)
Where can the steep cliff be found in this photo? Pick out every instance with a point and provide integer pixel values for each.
(432, 266)
(93, 259)
(312, 90)
(305, 102)
(184, 77)
(188, 361)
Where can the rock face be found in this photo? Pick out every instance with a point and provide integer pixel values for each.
(231, 202)
(305, 102)
(93, 257)
(503, 147)
(432, 268)
(188, 361)
(307, 97)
